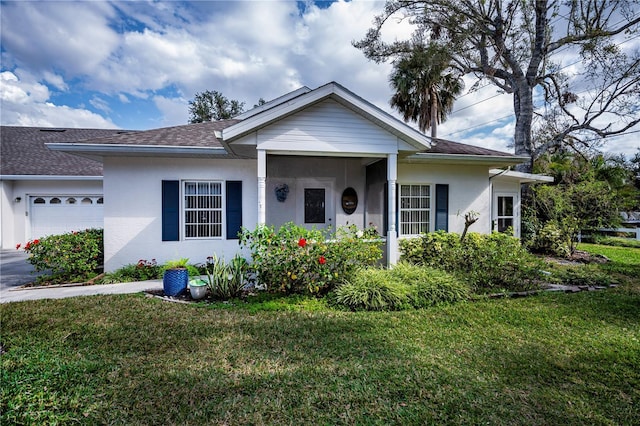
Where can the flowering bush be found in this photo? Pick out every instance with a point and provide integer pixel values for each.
(73, 256)
(297, 260)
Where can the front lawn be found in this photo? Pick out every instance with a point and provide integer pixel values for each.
(570, 359)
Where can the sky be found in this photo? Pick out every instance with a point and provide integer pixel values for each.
(136, 64)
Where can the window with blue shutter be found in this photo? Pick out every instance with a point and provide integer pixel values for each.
(170, 210)
(234, 208)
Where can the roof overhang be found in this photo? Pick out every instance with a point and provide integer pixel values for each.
(98, 151)
(520, 176)
(50, 177)
(337, 93)
(488, 160)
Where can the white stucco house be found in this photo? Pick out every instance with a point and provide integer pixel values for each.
(321, 158)
(44, 192)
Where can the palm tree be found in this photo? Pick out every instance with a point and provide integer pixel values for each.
(424, 90)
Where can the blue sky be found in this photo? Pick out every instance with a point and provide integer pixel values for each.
(136, 65)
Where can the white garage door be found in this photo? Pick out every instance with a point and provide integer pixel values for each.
(52, 215)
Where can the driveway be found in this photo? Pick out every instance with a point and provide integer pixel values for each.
(15, 270)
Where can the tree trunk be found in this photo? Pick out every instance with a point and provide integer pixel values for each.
(523, 108)
(434, 113)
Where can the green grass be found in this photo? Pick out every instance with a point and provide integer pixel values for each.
(552, 359)
(624, 260)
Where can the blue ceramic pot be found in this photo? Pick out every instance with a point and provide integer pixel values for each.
(174, 281)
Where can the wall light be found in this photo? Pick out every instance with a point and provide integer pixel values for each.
(18, 199)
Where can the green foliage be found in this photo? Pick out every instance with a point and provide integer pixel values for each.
(226, 281)
(429, 286)
(295, 260)
(372, 290)
(176, 264)
(73, 256)
(213, 105)
(589, 194)
(489, 262)
(401, 287)
(551, 240)
(617, 241)
(142, 271)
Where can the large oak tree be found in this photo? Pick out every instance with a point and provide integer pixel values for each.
(518, 46)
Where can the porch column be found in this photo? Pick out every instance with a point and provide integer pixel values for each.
(392, 233)
(262, 186)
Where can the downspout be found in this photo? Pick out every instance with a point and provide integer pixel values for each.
(491, 196)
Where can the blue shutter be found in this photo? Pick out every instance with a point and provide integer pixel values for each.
(234, 208)
(442, 208)
(170, 210)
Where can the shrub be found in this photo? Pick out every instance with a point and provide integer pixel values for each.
(372, 290)
(298, 260)
(404, 286)
(429, 286)
(551, 240)
(226, 281)
(142, 271)
(489, 262)
(72, 256)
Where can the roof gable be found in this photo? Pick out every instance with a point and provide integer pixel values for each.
(337, 93)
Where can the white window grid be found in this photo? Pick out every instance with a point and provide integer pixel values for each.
(415, 209)
(203, 209)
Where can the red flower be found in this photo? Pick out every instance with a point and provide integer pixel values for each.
(35, 242)
(18, 246)
(302, 242)
(322, 260)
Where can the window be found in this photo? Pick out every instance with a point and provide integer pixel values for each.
(71, 200)
(505, 213)
(202, 209)
(39, 201)
(415, 209)
(55, 200)
(314, 205)
(86, 200)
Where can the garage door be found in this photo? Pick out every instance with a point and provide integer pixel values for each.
(52, 215)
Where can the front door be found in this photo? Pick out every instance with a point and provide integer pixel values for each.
(315, 206)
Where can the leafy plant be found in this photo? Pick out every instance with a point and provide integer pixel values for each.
(142, 271)
(73, 256)
(226, 281)
(372, 289)
(489, 262)
(402, 287)
(181, 263)
(429, 286)
(297, 260)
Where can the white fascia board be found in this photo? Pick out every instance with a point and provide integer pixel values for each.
(272, 103)
(492, 160)
(327, 154)
(106, 149)
(522, 177)
(50, 177)
(342, 96)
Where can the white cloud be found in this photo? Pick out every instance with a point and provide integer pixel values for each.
(26, 104)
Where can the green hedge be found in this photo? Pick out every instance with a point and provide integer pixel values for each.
(489, 262)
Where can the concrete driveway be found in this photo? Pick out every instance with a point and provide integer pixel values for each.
(15, 270)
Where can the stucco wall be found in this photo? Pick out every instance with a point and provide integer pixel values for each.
(468, 191)
(133, 207)
(15, 216)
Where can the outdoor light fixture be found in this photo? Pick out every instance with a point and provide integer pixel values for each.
(18, 199)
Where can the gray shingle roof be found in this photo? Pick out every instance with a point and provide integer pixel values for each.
(23, 151)
(442, 146)
(187, 135)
